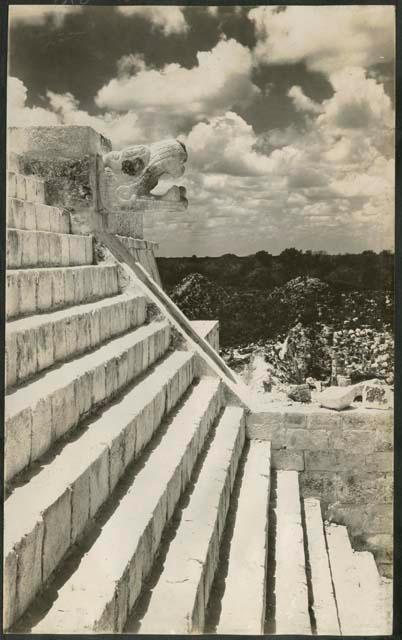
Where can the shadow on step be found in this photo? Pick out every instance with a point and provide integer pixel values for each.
(140, 608)
(270, 611)
(43, 602)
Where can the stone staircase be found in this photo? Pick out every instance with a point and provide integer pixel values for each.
(134, 501)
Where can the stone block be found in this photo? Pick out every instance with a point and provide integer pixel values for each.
(116, 460)
(45, 345)
(384, 438)
(11, 359)
(46, 253)
(30, 256)
(321, 460)
(28, 353)
(41, 427)
(358, 441)
(9, 589)
(324, 420)
(61, 350)
(21, 187)
(64, 250)
(314, 440)
(355, 487)
(14, 249)
(43, 218)
(29, 295)
(17, 445)
(83, 392)
(57, 535)
(80, 498)
(11, 184)
(287, 460)
(320, 484)
(99, 482)
(57, 142)
(99, 384)
(29, 572)
(12, 296)
(44, 290)
(65, 410)
(58, 288)
(380, 461)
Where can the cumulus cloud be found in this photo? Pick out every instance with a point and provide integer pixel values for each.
(302, 102)
(64, 109)
(39, 14)
(168, 19)
(220, 79)
(326, 38)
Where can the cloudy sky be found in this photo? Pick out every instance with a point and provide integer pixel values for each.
(287, 113)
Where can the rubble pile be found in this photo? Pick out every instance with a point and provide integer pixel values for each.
(304, 329)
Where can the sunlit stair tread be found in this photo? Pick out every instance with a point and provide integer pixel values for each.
(89, 467)
(324, 604)
(27, 248)
(48, 407)
(36, 216)
(243, 601)
(179, 599)
(31, 291)
(291, 611)
(37, 342)
(109, 578)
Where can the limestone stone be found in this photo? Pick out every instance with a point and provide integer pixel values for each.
(339, 398)
(9, 588)
(29, 572)
(17, 444)
(376, 395)
(300, 393)
(287, 460)
(57, 532)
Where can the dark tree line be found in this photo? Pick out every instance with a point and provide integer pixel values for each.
(366, 271)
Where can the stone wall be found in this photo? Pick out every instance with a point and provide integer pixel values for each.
(345, 459)
(144, 252)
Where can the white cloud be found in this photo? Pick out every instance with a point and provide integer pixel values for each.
(38, 14)
(327, 38)
(169, 19)
(123, 129)
(220, 79)
(302, 102)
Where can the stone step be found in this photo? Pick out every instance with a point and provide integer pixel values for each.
(57, 503)
(27, 188)
(345, 576)
(323, 598)
(15, 162)
(40, 413)
(37, 342)
(178, 601)
(47, 249)
(32, 291)
(376, 607)
(291, 595)
(243, 601)
(110, 576)
(36, 217)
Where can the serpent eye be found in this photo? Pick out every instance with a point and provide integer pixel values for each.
(132, 167)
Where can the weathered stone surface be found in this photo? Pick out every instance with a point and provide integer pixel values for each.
(131, 174)
(105, 571)
(56, 142)
(376, 395)
(339, 397)
(300, 393)
(284, 460)
(179, 600)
